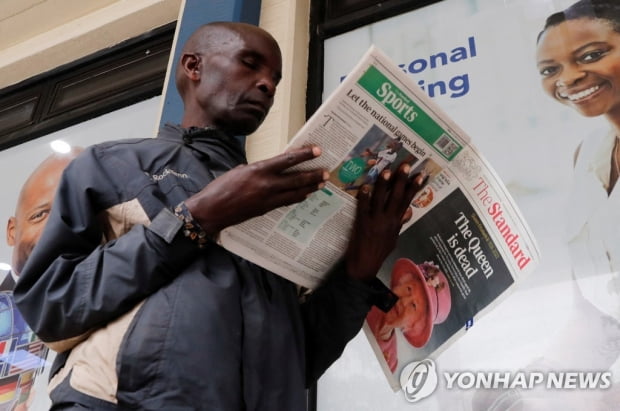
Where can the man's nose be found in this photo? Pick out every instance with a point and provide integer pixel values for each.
(267, 84)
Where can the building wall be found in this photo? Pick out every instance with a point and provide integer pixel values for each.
(38, 36)
(288, 22)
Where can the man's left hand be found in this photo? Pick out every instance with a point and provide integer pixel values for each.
(379, 220)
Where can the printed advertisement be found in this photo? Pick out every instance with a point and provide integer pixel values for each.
(537, 92)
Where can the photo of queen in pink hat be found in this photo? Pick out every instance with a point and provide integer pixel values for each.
(423, 301)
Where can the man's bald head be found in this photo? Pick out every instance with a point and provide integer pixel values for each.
(214, 38)
(225, 68)
(33, 206)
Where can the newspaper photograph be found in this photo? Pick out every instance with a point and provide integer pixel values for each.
(465, 242)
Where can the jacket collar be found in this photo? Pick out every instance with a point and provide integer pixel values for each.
(218, 146)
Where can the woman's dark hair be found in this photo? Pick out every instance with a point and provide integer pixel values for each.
(608, 10)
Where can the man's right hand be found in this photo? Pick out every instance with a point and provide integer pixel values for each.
(251, 190)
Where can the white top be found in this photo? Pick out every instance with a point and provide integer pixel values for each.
(594, 226)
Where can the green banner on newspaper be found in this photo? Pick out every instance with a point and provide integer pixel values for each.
(397, 102)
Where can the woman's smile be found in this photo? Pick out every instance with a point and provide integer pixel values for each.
(582, 95)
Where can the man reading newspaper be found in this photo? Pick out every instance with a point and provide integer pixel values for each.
(146, 311)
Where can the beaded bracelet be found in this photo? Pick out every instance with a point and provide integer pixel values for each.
(191, 229)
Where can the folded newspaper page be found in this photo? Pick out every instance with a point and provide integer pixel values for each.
(465, 245)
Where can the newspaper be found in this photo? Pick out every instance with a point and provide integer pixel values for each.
(465, 245)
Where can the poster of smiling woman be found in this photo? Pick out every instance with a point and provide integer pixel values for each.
(536, 84)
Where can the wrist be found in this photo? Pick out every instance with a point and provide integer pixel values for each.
(191, 228)
(202, 215)
(358, 272)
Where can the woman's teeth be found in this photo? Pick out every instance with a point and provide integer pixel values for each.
(580, 95)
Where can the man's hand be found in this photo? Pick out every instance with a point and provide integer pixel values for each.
(379, 220)
(251, 190)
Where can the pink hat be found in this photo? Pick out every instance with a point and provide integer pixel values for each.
(439, 301)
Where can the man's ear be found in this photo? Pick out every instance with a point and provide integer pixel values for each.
(191, 65)
(10, 231)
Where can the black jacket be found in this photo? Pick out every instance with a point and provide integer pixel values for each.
(151, 321)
